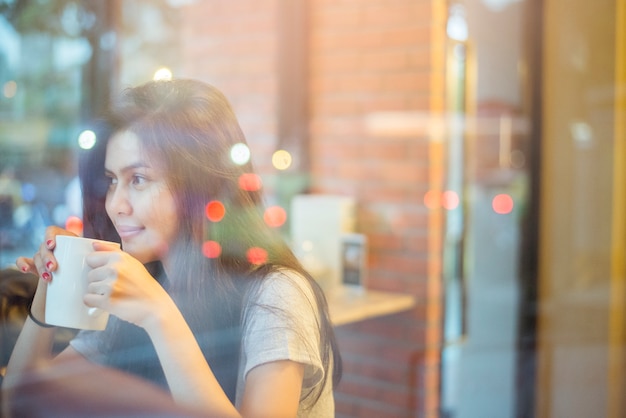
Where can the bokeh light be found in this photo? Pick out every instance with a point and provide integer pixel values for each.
(502, 204)
(256, 255)
(275, 216)
(29, 192)
(215, 211)
(162, 73)
(87, 139)
(281, 159)
(240, 154)
(10, 89)
(74, 224)
(450, 200)
(211, 249)
(432, 199)
(250, 182)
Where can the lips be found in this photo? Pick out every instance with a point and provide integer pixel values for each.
(126, 231)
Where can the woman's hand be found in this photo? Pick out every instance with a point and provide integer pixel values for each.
(121, 285)
(43, 264)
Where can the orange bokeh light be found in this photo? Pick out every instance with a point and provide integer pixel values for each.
(256, 255)
(432, 199)
(74, 224)
(275, 216)
(250, 182)
(502, 204)
(450, 199)
(211, 249)
(215, 211)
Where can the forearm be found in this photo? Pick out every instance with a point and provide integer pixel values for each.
(34, 344)
(188, 374)
(32, 349)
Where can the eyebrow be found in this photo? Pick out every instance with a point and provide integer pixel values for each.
(129, 168)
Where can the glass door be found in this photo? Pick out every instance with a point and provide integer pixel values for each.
(488, 171)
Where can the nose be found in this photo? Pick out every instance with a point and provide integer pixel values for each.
(118, 201)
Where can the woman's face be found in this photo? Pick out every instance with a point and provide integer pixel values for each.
(138, 200)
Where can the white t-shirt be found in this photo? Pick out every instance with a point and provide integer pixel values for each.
(282, 324)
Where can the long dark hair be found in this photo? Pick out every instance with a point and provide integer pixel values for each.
(191, 128)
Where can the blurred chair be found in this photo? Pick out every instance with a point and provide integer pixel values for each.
(16, 293)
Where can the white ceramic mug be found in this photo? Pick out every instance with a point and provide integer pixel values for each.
(64, 296)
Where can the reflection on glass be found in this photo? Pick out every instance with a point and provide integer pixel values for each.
(51, 56)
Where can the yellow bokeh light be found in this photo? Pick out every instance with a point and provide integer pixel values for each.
(281, 159)
(163, 73)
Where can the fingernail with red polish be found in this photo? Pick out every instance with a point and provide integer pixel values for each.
(25, 269)
(46, 276)
(49, 265)
(49, 243)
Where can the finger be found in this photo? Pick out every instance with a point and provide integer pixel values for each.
(44, 260)
(40, 266)
(26, 265)
(51, 234)
(98, 258)
(101, 288)
(104, 272)
(105, 246)
(94, 300)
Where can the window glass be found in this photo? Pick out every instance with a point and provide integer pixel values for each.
(52, 55)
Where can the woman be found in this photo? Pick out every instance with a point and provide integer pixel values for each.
(206, 299)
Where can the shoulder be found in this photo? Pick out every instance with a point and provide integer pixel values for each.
(288, 280)
(284, 295)
(282, 323)
(284, 287)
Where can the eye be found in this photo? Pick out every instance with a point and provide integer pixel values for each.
(138, 180)
(110, 180)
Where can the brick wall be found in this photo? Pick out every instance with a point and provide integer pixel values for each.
(365, 56)
(233, 45)
(368, 57)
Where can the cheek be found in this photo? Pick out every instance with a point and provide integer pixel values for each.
(168, 216)
(107, 207)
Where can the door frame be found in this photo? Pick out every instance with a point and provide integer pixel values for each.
(617, 335)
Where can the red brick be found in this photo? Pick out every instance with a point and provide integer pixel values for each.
(385, 101)
(385, 60)
(386, 241)
(396, 282)
(338, 105)
(407, 81)
(335, 63)
(417, 243)
(378, 192)
(420, 58)
(386, 150)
